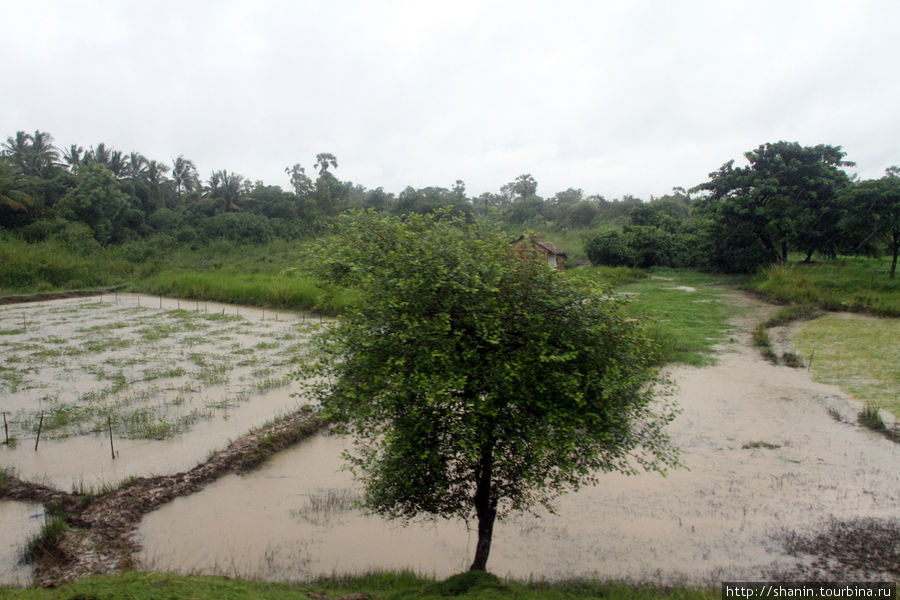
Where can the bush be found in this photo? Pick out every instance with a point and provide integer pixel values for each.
(608, 248)
(649, 246)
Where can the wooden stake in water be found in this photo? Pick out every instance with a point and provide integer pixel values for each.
(160, 303)
(24, 323)
(5, 428)
(117, 296)
(40, 426)
(109, 425)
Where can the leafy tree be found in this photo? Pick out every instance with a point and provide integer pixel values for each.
(785, 197)
(477, 382)
(523, 187)
(579, 214)
(872, 213)
(459, 189)
(649, 246)
(301, 183)
(608, 248)
(98, 202)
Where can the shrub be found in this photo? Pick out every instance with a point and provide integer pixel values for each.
(608, 248)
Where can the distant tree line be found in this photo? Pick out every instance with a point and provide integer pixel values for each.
(788, 198)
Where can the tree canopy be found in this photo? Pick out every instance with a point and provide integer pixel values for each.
(871, 214)
(476, 382)
(784, 198)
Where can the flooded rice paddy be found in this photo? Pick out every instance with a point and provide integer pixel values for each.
(768, 452)
(173, 380)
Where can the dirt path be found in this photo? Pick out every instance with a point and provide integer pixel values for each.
(99, 539)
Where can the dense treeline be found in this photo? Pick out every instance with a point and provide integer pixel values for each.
(788, 198)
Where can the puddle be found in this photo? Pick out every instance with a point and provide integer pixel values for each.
(19, 522)
(174, 379)
(763, 453)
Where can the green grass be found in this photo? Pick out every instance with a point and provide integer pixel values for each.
(859, 354)
(684, 311)
(256, 275)
(46, 544)
(383, 586)
(843, 284)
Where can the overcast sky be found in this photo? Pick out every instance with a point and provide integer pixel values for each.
(615, 98)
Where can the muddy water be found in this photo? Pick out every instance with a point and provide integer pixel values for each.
(86, 461)
(19, 521)
(720, 518)
(211, 371)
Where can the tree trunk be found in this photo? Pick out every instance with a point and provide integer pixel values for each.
(784, 252)
(485, 507)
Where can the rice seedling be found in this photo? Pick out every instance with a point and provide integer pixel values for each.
(323, 504)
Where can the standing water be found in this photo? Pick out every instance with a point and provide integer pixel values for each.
(763, 458)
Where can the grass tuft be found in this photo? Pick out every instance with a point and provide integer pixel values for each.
(46, 544)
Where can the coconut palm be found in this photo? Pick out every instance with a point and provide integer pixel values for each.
(33, 153)
(137, 165)
(74, 157)
(184, 174)
(226, 189)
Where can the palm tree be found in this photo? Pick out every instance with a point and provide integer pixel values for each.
(324, 160)
(74, 156)
(100, 154)
(17, 149)
(155, 173)
(10, 197)
(226, 188)
(33, 153)
(137, 165)
(44, 154)
(118, 164)
(184, 173)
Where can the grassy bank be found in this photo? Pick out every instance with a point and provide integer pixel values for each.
(385, 586)
(843, 284)
(256, 275)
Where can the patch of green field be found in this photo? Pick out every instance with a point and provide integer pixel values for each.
(859, 354)
(684, 311)
(381, 585)
(846, 283)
